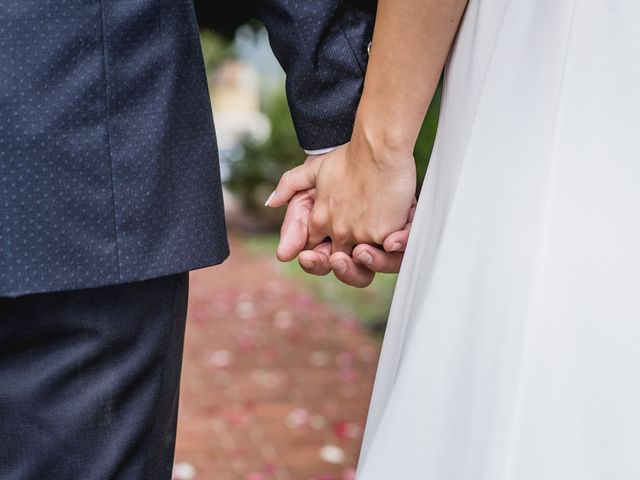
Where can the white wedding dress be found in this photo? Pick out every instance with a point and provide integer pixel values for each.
(513, 347)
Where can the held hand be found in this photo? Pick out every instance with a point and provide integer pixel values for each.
(359, 270)
(295, 226)
(358, 198)
(319, 261)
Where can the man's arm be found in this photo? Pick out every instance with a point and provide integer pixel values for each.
(322, 47)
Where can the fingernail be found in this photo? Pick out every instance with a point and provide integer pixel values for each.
(268, 202)
(340, 266)
(366, 258)
(395, 247)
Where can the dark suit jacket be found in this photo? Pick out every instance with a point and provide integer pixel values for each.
(108, 162)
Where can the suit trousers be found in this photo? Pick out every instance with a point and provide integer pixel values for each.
(89, 381)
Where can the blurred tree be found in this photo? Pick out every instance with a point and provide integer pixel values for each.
(215, 49)
(258, 171)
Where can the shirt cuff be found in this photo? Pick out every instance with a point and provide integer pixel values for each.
(321, 151)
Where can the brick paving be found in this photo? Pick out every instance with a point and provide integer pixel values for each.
(275, 384)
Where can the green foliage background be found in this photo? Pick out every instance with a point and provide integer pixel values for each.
(263, 164)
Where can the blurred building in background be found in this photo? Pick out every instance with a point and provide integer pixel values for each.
(241, 84)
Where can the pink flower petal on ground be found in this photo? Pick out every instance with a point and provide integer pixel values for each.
(349, 474)
(332, 454)
(183, 471)
(283, 320)
(303, 301)
(350, 324)
(221, 358)
(266, 378)
(348, 375)
(237, 418)
(345, 359)
(298, 418)
(246, 342)
(319, 358)
(245, 309)
(345, 430)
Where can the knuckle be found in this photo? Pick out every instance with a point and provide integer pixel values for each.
(286, 178)
(318, 220)
(360, 235)
(378, 234)
(340, 232)
(290, 178)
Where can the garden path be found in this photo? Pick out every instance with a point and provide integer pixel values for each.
(275, 383)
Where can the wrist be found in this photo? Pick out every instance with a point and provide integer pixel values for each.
(383, 142)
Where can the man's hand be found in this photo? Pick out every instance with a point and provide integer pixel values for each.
(359, 269)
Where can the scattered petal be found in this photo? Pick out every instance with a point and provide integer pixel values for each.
(332, 454)
(221, 358)
(345, 430)
(350, 324)
(183, 471)
(348, 375)
(319, 358)
(349, 474)
(245, 309)
(265, 378)
(298, 418)
(245, 341)
(345, 359)
(283, 320)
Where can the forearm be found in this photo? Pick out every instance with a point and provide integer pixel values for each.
(411, 42)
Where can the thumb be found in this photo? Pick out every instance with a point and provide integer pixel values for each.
(295, 226)
(397, 241)
(299, 178)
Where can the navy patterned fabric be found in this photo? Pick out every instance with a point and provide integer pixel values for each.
(108, 162)
(322, 45)
(89, 381)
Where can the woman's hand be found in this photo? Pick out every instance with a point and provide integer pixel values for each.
(360, 196)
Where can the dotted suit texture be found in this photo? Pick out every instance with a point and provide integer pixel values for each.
(108, 162)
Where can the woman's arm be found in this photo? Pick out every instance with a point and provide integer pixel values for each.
(364, 189)
(411, 42)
